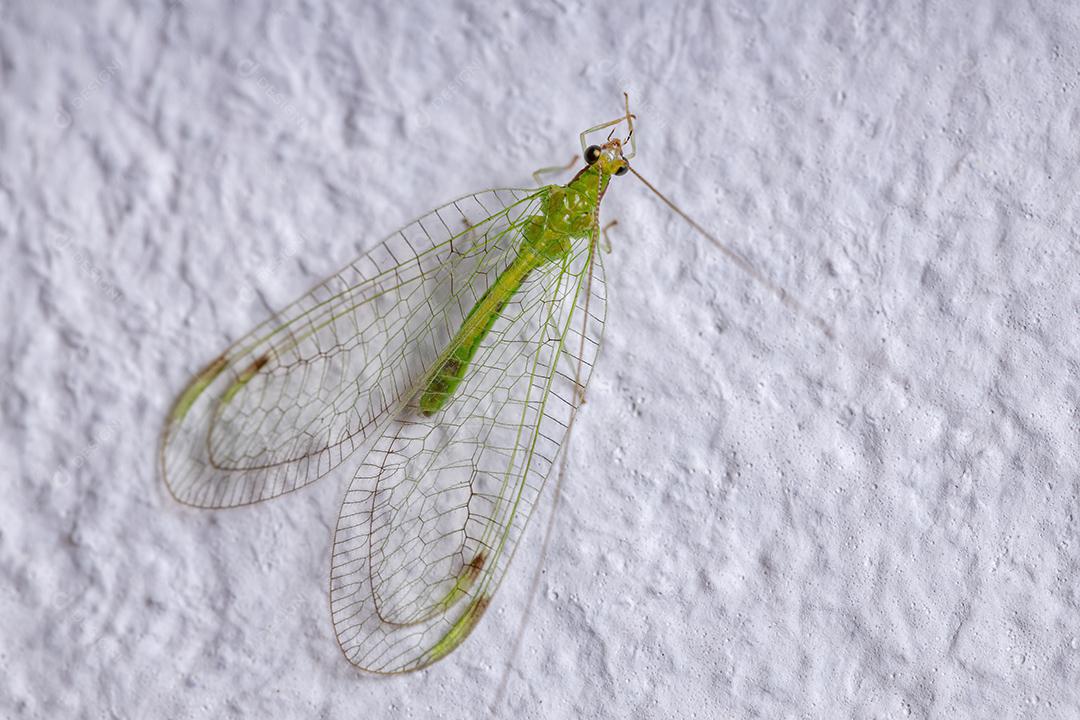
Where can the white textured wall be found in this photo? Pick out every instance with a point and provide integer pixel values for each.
(756, 521)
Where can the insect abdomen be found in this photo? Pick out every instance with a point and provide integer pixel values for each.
(473, 331)
(541, 245)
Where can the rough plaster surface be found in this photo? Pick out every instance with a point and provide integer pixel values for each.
(756, 522)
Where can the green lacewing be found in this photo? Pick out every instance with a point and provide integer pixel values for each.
(446, 364)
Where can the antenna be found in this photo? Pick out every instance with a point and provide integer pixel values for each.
(784, 296)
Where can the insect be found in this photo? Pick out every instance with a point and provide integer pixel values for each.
(453, 356)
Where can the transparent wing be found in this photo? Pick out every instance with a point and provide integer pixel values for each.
(295, 397)
(435, 511)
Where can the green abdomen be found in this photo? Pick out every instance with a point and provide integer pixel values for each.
(477, 325)
(542, 244)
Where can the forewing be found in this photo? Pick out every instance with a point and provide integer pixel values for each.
(295, 397)
(435, 511)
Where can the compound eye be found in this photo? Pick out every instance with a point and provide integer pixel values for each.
(592, 154)
(622, 169)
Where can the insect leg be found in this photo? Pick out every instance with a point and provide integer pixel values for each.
(553, 169)
(606, 245)
(628, 118)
